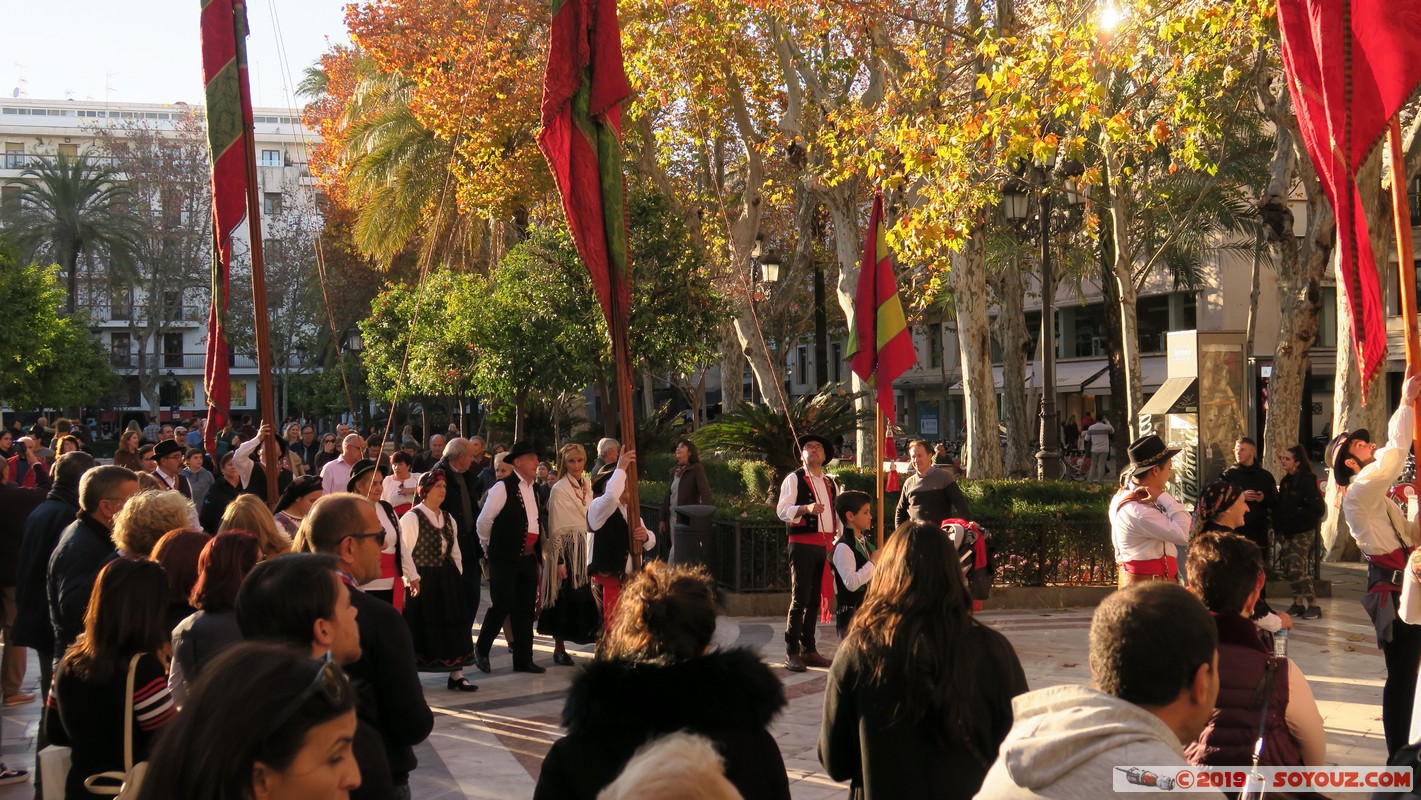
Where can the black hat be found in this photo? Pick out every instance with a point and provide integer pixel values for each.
(520, 449)
(361, 467)
(1339, 450)
(1148, 452)
(167, 448)
(823, 442)
(299, 488)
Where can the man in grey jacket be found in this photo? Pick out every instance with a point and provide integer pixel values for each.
(1154, 668)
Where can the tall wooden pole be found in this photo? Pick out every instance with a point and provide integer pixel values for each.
(617, 326)
(266, 404)
(1406, 267)
(878, 461)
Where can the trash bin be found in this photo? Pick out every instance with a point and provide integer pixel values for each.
(691, 541)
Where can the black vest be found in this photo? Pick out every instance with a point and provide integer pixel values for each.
(809, 523)
(611, 545)
(510, 527)
(844, 599)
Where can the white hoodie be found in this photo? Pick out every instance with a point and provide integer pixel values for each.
(1067, 741)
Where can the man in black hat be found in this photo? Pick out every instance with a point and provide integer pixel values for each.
(510, 533)
(1146, 522)
(169, 455)
(807, 506)
(1386, 538)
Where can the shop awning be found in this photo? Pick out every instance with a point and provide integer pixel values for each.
(1176, 396)
(1071, 375)
(956, 388)
(1152, 375)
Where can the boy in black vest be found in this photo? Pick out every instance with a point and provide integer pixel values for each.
(807, 506)
(510, 531)
(611, 537)
(853, 557)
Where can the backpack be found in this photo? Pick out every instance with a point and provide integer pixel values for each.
(974, 551)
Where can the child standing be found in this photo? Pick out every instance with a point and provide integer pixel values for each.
(852, 557)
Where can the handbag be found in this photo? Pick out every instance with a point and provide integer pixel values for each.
(131, 778)
(54, 762)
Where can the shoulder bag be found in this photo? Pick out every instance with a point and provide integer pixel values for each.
(131, 778)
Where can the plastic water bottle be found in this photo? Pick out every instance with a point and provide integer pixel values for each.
(1280, 643)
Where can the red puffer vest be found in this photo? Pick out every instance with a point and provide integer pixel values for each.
(1229, 737)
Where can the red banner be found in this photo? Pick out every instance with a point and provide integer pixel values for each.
(881, 344)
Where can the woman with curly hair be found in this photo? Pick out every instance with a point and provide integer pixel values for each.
(146, 517)
(249, 513)
(919, 696)
(659, 646)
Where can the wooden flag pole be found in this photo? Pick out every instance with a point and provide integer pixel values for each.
(1401, 215)
(878, 461)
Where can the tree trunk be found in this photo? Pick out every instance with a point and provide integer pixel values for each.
(1115, 351)
(732, 370)
(1009, 329)
(969, 284)
(1123, 274)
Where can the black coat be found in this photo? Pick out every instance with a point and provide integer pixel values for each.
(16, 504)
(386, 668)
(1300, 505)
(455, 485)
(865, 740)
(42, 530)
(613, 708)
(84, 548)
(214, 505)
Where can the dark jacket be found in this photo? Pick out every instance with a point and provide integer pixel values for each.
(42, 531)
(215, 504)
(455, 486)
(200, 638)
(866, 740)
(1256, 520)
(386, 666)
(1229, 737)
(1300, 507)
(694, 489)
(83, 549)
(931, 498)
(16, 504)
(728, 696)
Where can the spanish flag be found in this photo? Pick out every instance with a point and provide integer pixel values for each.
(881, 345)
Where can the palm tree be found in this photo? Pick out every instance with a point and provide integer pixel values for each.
(69, 206)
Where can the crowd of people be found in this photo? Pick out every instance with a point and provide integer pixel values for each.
(196, 640)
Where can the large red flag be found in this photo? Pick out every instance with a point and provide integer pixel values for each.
(880, 343)
(1350, 65)
(583, 88)
(229, 121)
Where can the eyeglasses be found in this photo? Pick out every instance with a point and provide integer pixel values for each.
(330, 683)
(359, 536)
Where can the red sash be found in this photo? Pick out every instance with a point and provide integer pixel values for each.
(1166, 567)
(390, 569)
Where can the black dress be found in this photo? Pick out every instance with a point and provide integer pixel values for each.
(438, 616)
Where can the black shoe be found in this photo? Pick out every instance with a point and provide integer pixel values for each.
(461, 685)
(1313, 612)
(794, 663)
(1296, 610)
(562, 659)
(530, 667)
(482, 663)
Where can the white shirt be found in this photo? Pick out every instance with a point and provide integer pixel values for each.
(1378, 524)
(397, 492)
(792, 512)
(334, 476)
(171, 481)
(852, 576)
(493, 506)
(242, 461)
(406, 566)
(609, 502)
(1144, 531)
(409, 537)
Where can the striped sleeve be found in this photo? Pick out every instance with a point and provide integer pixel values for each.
(153, 704)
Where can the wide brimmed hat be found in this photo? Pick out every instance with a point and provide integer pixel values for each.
(358, 471)
(1148, 452)
(520, 449)
(299, 488)
(167, 448)
(1339, 450)
(823, 442)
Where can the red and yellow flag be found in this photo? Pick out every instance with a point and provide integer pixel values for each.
(583, 88)
(1351, 65)
(229, 122)
(881, 344)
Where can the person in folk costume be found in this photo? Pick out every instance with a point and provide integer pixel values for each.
(1146, 522)
(397, 569)
(806, 505)
(612, 536)
(569, 610)
(296, 503)
(437, 612)
(853, 557)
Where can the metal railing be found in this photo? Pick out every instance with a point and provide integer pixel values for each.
(28, 160)
(186, 361)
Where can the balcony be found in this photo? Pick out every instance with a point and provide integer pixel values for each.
(184, 361)
(187, 315)
(18, 161)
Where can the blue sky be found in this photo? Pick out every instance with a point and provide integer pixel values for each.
(148, 50)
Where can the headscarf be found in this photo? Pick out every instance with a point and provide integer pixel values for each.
(1214, 500)
(427, 481)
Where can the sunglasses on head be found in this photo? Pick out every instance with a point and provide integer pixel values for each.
(329, 682)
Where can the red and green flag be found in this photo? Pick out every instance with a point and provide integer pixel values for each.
(1350, 66)
(229, 122)
(583, 89)
(880, 346)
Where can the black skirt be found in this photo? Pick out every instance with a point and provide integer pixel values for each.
(575, 617)
(439, 621)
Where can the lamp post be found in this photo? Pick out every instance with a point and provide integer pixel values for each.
(764, 268)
